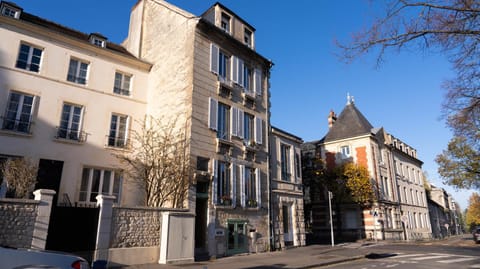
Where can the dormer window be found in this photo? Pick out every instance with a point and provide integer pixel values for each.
(10, 10)
(225, 23)
(98, 40)
(247, 37)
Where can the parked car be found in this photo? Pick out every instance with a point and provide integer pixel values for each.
(16, 258)
(476, 235)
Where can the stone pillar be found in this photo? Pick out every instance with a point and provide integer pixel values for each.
(40, 230)
(103, 231)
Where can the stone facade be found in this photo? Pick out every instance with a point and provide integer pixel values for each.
(17, 222)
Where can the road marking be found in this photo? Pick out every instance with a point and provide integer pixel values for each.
(407, 255)
(475, 266)
(431, 257)
(459, 260)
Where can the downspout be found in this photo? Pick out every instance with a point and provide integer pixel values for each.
(271, 234)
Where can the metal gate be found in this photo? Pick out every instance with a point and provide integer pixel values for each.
(74, 230)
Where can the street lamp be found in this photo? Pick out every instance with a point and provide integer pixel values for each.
(330, 196)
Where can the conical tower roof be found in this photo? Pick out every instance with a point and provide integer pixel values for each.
(350, 123)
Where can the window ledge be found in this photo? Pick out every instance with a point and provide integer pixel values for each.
(15, 133)
(68, 141)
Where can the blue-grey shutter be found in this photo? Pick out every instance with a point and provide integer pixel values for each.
(234, 121)
(241, 122)
(214, 181)
(240, 72)
(234, 69)
(214, 54)
(234, 184)
(258, 131)
(259, 186)
(257, 81)
(213, 111)
(242, 185)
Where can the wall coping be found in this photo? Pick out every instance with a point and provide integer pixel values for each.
(161, 209)
(19, 201)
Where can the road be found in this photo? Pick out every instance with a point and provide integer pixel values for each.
(457, 252)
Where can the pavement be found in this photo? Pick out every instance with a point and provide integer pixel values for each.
(312, 256)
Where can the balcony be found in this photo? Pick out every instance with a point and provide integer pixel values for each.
(19, 126)
(71, 135)
(117, 142)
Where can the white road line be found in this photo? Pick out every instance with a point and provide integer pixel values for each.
(407, 255)
(431, 257)
(474, 266)
(459, 260)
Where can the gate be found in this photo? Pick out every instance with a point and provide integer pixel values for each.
(74, 230)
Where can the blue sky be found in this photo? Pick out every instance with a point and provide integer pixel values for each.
(404, 95)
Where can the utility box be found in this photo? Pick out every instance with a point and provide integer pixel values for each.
(177, 243)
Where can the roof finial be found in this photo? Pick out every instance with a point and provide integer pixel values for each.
(350, 99)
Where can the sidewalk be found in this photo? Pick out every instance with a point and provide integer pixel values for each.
(303, 257)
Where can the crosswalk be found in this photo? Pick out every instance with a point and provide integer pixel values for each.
(443, 258)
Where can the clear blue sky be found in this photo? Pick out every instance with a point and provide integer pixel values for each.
(404, 95)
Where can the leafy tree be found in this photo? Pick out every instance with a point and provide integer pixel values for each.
(159, 162)
(446, 27)
(358, 182)
(20, 175)
(460, 164)
(472, 215)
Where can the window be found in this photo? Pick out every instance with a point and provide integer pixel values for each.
(247, 79)
(202, 163)
(298, 169)
(222, 185)
(247, 37)
(345, 150)
(248, 129)
(224, 66)
(70, 122)
(77, 71)
(118, 131)
(29, 58)
(225, 23)
(18, 116)
(221, 63)
(250, 186)
(285, 162)
(99, 181)
(223, 121)
(9, 11)
(122, 84)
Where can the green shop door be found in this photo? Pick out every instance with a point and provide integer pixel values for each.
(237, 238)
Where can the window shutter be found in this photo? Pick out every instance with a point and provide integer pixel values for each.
(241, 122)
(234, 184)
(212, 117)
(258, 82)
(234, 121)
(214, 181)
(242, 185)
(240, 72)
(234, 69)
(214, 54)
(258, 131)
(259, 185)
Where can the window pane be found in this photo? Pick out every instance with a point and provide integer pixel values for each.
(106, 182)
(95, 185)
(84, 185)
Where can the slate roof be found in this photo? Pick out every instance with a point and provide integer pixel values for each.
(350, 123)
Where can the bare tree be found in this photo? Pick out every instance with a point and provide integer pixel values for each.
(20, 175)
(159, 162)
(447, 27)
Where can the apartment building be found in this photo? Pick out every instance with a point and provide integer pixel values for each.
(286, 187)
(67, 102)
(71, 100)
(399, 210)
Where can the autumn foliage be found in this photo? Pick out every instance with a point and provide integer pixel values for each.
(473, 211)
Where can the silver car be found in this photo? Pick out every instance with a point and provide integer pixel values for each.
(18, 258)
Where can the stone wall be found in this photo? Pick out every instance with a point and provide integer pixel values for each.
(17, 222)
(135, 227)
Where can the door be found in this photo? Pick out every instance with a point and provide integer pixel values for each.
(287, 225)
(49, 176)
(237, 241)
(201, 207)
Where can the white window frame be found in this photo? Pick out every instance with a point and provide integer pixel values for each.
(115, 136)
(23, 110)
(345, 151)
(227, 177)
(10, 11)
(122, 83)
(32, 54)
(286, 162)
(253, 174)
(226, 22)
(87, 193)
(78, 71)
(73, 128)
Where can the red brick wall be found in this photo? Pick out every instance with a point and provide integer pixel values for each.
(362, 156)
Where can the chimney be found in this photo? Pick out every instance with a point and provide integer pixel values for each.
(331, 118)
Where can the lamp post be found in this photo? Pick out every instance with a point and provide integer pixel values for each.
(330, 196)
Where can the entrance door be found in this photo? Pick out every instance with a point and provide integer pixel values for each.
(49, 176)
(237, 238)
(201, 207)
(287, 225)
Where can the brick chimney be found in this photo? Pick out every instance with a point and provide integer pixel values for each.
(331, 118)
